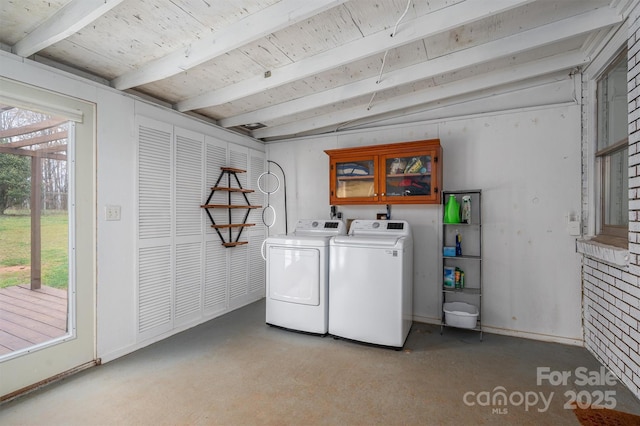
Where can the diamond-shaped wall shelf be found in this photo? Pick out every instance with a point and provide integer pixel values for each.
(230, 242)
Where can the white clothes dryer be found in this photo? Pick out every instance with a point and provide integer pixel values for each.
(371, 283)
(298, 276)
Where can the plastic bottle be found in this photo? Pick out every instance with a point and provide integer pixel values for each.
(458, 244)
(449, 276)
(452, 210)
(466, 209)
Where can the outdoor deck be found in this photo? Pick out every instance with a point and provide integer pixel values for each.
(28, 317)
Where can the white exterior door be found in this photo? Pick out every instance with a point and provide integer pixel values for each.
(75, 349)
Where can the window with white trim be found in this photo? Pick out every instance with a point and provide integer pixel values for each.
(612, 153)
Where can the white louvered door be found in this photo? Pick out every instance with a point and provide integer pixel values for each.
(185, 274)
(238, 256)
(216, 293)
(189, 147)
(246, 266)
(155, 227)
(257, 234)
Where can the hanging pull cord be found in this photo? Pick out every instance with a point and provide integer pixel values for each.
(384, 58)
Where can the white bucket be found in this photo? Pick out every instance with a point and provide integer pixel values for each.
(460, 314)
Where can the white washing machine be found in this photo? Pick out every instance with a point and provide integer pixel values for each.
(298, 276)
(371, 283)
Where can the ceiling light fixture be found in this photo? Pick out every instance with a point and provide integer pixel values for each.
(253, 126)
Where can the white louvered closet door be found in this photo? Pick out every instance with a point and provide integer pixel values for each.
(215, 265)
(257, 234)
(185, 274)
(155, 271)
(239, 255)
(189, 147)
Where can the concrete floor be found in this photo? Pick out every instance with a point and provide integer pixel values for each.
(235, 370)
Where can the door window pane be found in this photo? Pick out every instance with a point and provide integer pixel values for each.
(34, 229)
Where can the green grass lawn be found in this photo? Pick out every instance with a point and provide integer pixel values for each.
(15, 249)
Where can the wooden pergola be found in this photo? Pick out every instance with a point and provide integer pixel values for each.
(30, 140)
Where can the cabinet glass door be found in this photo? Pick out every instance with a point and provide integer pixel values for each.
(355, 178)
(407, 176)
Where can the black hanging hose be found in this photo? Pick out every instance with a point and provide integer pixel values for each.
(284, 184)
(284, 181)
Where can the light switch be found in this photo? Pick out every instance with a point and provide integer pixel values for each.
(112, 212)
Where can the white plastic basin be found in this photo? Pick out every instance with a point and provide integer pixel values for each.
(460, 314)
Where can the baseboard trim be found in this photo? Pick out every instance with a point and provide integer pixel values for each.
(31, 388)
(144, 342)
(573, 341)
(514, 333)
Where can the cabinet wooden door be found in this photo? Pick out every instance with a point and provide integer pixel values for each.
(354, 180)
(408, 178)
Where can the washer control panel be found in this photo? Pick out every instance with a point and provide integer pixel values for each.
(379, 227)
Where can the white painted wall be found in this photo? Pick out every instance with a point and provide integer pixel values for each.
(526, 162)
(528, 165)
(116, 162)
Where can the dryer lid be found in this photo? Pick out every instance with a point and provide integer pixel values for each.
(292, 240)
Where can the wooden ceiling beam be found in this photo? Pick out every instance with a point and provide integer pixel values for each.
(37, 140)
(74, 16)
(30, 128)
(564, 61)
(507, 46)
(428, 25)
(32, 153)
(247, 30)
(53, 148)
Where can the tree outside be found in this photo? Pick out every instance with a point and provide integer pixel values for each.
(15, 183)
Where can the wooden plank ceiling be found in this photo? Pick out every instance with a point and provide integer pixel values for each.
(300, 67)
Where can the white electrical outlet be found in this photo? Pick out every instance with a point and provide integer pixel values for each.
(112, 212)
(573, 224)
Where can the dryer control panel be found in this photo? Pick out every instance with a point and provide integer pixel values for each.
(320, 227)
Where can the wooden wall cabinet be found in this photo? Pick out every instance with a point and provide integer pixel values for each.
(398, 173)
